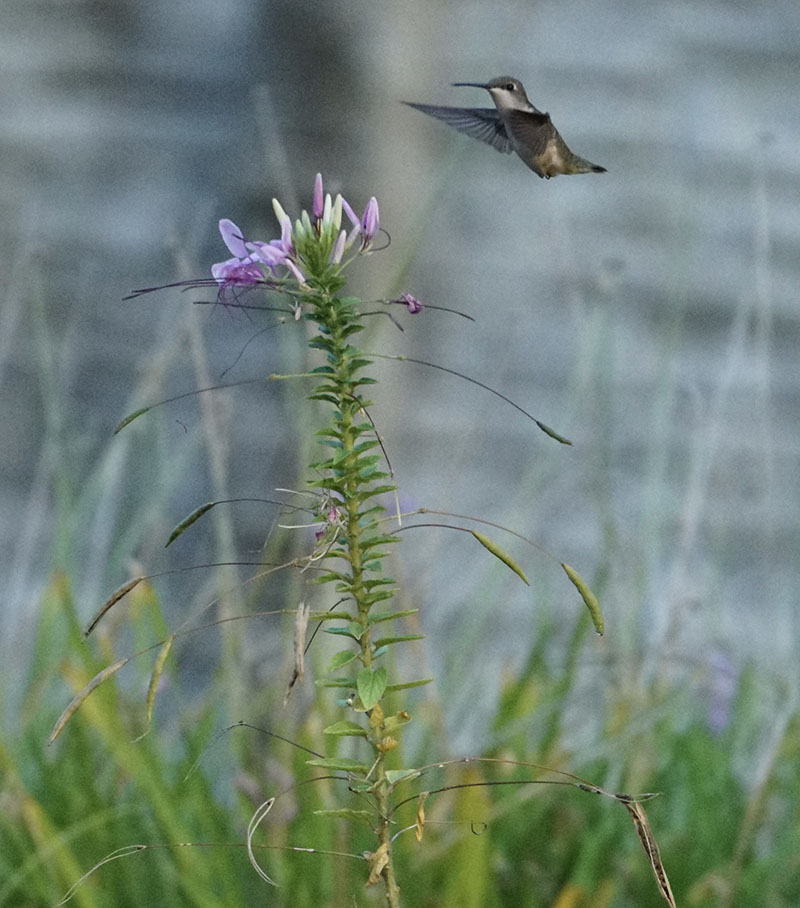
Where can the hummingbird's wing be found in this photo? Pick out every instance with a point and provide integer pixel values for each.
(532, 131)
(480, 123)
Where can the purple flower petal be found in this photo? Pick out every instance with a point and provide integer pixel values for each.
(271, 254)
(236, 271)
(286, 226)
(371, 220)
(353, 217)
(232, 238)
(338, 249)
(298, 274)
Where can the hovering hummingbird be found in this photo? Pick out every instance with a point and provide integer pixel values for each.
(515, 125)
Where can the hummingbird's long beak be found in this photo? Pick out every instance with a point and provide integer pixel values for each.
(472, 84)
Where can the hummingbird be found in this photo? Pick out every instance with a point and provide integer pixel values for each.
(514, 125)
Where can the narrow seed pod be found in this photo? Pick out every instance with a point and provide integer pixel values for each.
(588, 597)
(495, 549)
(82, 694)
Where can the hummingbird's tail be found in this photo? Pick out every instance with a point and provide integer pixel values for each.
(581, 165)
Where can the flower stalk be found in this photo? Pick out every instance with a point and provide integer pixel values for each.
(309, 261)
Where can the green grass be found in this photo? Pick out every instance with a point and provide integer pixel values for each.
(727, 831)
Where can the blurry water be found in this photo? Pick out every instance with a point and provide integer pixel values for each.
(649, 313)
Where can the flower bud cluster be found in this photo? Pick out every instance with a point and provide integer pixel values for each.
(314, 249)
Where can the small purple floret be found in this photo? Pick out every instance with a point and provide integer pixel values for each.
(413, 304)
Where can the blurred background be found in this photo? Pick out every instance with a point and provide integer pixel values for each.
(649, 314)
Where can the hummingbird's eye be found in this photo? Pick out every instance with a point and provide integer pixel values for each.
(509, 86)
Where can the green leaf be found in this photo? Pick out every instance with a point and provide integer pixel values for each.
(330, 577)
(373, 559)
(408, 685)
(338, 763)
(364, 446)
(368, 544)
(324, 396)
(372, 598)
(361, 786)
(329, 432)
(345, 657)
(378, 490)
(378, 581)
(394, 776)
(588, 597)
(371, 684)
(390, 616)
(495, 549)
(330, 616)
(353, 630)
(345, 729)
(404, 638)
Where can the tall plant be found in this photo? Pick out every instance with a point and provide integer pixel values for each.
(349, 483)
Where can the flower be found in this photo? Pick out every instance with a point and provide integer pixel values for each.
(236, 272)
(240, 271)
(413, 304)
(331, 518)
(312, 249)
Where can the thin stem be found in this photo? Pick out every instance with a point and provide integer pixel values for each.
(344, 363)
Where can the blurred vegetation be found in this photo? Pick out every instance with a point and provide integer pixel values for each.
(727, 830)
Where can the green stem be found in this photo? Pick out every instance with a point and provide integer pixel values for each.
(337, 323)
